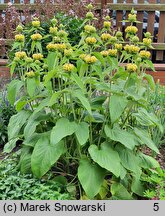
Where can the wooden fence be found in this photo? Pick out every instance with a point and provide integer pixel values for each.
(153, 12)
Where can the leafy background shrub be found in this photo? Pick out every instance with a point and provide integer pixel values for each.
(6, 111)
(77, 117)
(16, 186)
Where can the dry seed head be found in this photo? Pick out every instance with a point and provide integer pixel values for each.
(20, 55)
(36, 23)
(19, 38)
(112, 52)
(105, 36)
(53, 30)
(36, 37)
(132, 49)
(68, 67)
(89, 15)
(145, 54)
(131, 29)
(131, 68)
(37, 56)
(132, 17)
(68, 52)
(107, 24)
(90, 40)
(147, 41)
(118, 46)
(19, 28)
(104, 53)
(30, 74)
(89, 29)
(90, 59)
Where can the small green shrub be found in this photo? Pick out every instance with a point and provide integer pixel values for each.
(15, 186)
(157, 101)
(155, 180)
(6, 111)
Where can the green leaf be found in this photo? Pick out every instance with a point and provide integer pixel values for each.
(16, 122)
(13, 90)
(62, 129)
(106, 157)
(84, 101)
(120, 192)
(45, 154)
(124, 137)
(82, 132)
(78, 81)
(150, 64)
(32, 140)
(54, 98)
(20, 104)
(150, 80)
(25, 160)
(51, 60)
(33, 121)
(117, 105)
(9, 146)
(148, 119)
(147, 161)
(130, 161)
(12, 67)
(99, 57)
(31, 86)
(91, 177)
(144, 138)
(83, 69)
(137, 187)
(39, 47)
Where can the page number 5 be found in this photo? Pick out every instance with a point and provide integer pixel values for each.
(156, 207)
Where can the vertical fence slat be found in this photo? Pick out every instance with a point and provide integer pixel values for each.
(119, 16)
(140, 15)
(151, 19)
(161, 32)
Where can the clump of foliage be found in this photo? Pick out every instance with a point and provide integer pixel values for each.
(155, 184)
(15, 186)
(157, 101)
(79, 118)
(6, 111)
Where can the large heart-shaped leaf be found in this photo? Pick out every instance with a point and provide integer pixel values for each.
(147, 161)
(62, 129)
(45, 154)
(16, 122)
(106, 157)
(91, 177)
(13, 90)
(120, 192)
(84, 101)
(117, 105)
(31, 86)
(129, 161)
(144, 138)
(124, 137)
(33, 121)
(82, 133)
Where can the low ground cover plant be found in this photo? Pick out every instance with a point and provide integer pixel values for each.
(15, 186)
(80, 113)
